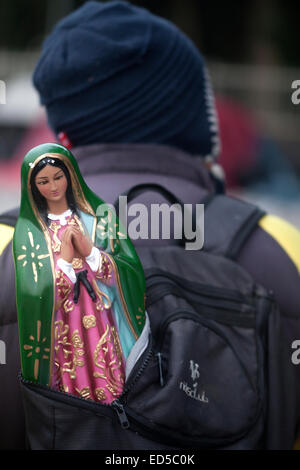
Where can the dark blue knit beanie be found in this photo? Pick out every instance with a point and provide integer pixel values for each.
(113, 72)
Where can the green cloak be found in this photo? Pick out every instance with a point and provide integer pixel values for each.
(35, 271)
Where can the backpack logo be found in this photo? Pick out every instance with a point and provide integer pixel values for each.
(195, 374)
(192, 391)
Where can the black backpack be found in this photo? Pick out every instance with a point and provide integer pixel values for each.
(204, 380)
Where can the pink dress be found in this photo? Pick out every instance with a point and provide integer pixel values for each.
(88, 359)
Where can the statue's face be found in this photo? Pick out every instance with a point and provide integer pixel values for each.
(52, 183)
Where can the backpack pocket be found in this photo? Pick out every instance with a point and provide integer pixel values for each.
(204, 385)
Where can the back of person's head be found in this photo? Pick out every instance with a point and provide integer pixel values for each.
(113, 72)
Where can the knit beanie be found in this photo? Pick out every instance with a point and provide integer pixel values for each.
(113, 72)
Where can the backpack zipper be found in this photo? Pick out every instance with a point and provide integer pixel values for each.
(229, 313)
(198, 293)
(210, 291)
(117, 405)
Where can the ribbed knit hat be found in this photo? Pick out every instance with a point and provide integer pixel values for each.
(114, 72)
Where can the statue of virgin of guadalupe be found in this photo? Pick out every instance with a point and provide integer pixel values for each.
(80, 284)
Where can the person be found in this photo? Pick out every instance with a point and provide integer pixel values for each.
(130, 94)
(91, 346)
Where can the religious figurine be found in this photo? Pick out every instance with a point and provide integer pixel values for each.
(80, 284)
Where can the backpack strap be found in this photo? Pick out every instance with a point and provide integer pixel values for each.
(138, 189)
(228, 222)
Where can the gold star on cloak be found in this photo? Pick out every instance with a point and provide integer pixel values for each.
(35, 349)
(32, 257)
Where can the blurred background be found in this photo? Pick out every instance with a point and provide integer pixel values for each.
(251, 48)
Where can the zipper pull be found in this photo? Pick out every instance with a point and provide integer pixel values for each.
(121, 414)
(161, 378)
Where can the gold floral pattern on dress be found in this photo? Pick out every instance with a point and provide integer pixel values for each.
(89, 321)
(104, 272)
(60, 279)
(56, 243)
(76, 340)
(71, 221)
(77, 263)
(61, 336)
(64, 289)
(113, 389)
(117, 345)
(100, 394)
(103, 299)
(109, 343)
(84, 392)
(61, 331)
(103, 340)
(77, 355)
(68, 306)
